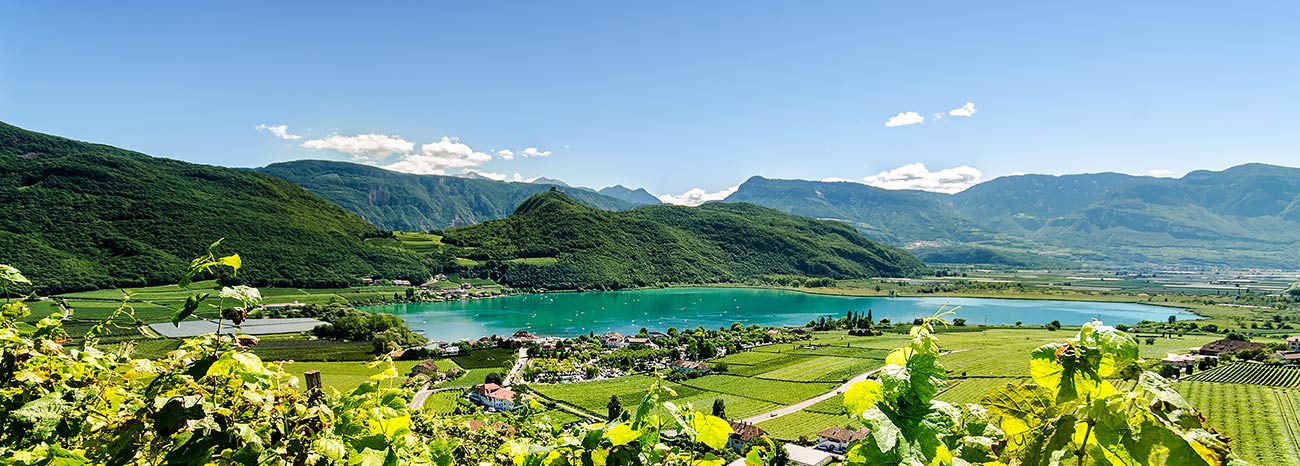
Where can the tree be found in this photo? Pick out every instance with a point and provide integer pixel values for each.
(1172, 319)
(719, 408)
(959, 322)
(494, 377)
(615, 408)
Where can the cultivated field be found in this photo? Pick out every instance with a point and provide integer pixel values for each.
(1251, 374)
(1264, 422)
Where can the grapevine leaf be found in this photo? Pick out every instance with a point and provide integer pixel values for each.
(863, 395)
(191, 305)
(711, 430)
(622, 434)
(12, 275)
(231, 261)
(1021, 408)
(883, 429)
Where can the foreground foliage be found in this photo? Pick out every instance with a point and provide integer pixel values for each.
(213, 402)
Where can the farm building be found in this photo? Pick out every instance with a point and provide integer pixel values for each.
(837, 439)
(690, 367)
(1293, 344)
(745, 434)
(1183, 360)
(494, 396)
(1226, 347)
(1290, 358)
(427, 368)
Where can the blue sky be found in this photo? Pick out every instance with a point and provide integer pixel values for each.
(669, 95)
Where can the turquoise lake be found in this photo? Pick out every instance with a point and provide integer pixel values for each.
(569, 314)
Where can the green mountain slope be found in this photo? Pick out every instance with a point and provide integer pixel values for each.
(87, 216)
(895, 217)
(638, 196)
(402, 201)
(552, 241)
(1027, 202)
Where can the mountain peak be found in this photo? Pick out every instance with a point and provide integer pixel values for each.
(548, 201)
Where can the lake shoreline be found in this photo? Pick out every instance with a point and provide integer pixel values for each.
(573, 312)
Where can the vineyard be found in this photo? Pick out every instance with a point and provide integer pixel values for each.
(1263, 421)
(1250, 373)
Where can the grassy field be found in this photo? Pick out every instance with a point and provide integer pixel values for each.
(1264, 422)
(804, 424)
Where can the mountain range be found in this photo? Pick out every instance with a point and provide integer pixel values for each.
(552, 241)
(81, 216)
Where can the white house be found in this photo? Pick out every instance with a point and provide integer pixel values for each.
(837, 439)
(494, 396)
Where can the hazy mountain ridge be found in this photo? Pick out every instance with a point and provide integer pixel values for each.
(1252, 210)
(637, 196)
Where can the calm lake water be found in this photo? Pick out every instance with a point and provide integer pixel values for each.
(569, 314)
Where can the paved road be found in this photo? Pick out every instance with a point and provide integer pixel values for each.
(418, 400)
(819, 398)
(811, 401)
(517, 371)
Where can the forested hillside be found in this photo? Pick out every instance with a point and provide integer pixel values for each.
(88, 216)
(402, 201)
(553, 241)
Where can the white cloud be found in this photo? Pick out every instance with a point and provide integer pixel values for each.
(963, 111)
(534, 152)
(1160, 173)
(506, 154)
(1016, 174)
(281, 131)
(367, 148)
(697, 196)
(836, 179)
(438, 157)
(489, 175)
(916, 176)
(904, 119)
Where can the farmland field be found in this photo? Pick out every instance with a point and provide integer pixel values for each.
(823, 369)
(342, 376)
(443, 403)
(973, 389)
(777, 362)
(301, 349)
(485, 358)
(1263, 421)
(780, 392)
(748, 358)
(1250, 373)
(593, 396)
(803, 423)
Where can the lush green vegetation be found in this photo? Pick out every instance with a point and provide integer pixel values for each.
(666, 244)
(213, 402)
(83, 216)
(402, 201)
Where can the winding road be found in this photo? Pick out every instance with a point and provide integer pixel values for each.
(794, 408)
